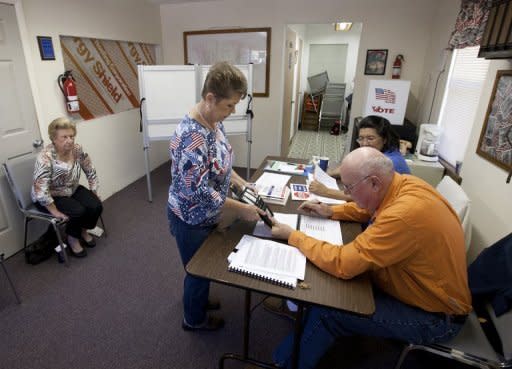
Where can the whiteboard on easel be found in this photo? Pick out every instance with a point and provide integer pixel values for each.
(170, 91)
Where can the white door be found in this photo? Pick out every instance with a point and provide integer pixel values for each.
(18, 123)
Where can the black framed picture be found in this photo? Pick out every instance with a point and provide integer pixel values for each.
(376, 61)
(46, 47)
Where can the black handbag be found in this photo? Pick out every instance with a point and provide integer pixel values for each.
(42, 248)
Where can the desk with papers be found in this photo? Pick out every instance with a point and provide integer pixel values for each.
(211, 262)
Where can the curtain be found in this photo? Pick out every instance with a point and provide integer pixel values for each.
(470, 23)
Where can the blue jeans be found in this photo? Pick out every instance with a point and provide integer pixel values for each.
(195, 290)
(392, 319)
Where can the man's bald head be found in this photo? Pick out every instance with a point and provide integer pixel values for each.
(368, 161)
(367, 173)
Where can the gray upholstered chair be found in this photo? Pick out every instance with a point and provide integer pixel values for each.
(460, 202)
(19, 172)
(471, 345)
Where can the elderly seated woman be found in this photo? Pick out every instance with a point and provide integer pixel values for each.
(56, 187)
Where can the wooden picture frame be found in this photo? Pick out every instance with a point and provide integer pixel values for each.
(376, 60)
(237, 46)
(495, 143)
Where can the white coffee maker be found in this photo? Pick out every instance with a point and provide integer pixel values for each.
(428, 142)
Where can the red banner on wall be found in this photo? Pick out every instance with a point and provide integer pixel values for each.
(105, 72)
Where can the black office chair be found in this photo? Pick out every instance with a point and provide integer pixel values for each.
(19, 172)
(9, 278)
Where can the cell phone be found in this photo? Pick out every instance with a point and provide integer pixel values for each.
(248, 196)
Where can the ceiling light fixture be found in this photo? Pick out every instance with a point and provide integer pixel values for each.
(342, 26)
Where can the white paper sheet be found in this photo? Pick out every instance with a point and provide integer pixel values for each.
(272, 179)
(325, 179)
(323, 229)
(262, 230)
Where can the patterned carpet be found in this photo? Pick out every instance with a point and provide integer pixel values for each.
(305, 144)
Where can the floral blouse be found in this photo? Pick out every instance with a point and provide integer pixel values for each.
(53, 177)
(201, 170)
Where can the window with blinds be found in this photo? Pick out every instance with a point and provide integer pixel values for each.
(460, 101)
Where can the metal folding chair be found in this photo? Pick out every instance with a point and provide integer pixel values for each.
(9, 278)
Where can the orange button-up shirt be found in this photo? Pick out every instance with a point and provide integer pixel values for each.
(413, 249)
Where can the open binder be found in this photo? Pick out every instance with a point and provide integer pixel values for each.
(268, 261)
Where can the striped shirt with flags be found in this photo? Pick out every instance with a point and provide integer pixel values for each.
(201, 170)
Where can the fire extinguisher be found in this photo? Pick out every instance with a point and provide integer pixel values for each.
(68, 87)
(397, 66)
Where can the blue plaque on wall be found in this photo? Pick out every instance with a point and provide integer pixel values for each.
(46, 47)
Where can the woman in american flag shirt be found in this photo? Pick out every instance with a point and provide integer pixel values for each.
(201, 161)
(56, 187)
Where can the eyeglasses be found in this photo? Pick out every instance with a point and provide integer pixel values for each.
(349, 188)
(368, 139)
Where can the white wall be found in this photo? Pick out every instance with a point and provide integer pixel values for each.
(483, 181)
(324, 34)
(113, 141)
(444, 20)
(401, 26)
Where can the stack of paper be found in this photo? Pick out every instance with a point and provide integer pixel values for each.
(275, 195)
(285, 167)
(273, 189)
(269, 261)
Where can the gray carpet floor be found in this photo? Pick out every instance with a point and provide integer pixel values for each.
(120, 307)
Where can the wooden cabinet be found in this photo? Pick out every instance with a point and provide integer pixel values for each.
(310, 112)
(497, 38)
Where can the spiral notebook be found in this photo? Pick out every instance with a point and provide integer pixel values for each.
(268, 261)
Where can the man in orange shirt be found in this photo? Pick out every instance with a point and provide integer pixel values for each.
(413, 250)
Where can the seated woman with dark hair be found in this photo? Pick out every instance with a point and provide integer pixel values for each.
(376, 132)
(56, 187)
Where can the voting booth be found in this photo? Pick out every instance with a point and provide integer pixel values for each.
(387, 98)
(168, 92)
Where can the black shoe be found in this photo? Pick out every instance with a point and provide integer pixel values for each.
(211, 324)
(80, 254)
(213, 305)
(280, 307)
(90, 244)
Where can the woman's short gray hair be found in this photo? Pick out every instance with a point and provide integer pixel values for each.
(60, 123)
